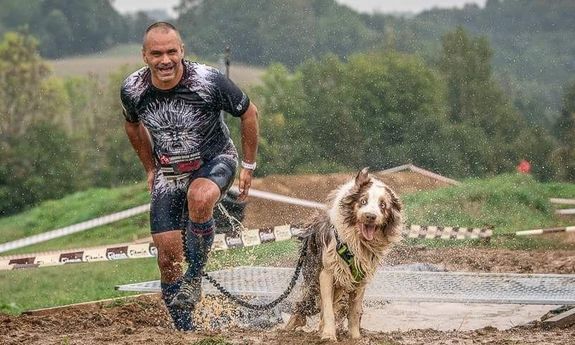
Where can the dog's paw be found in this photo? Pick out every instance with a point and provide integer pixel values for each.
(355, 335)
(295, 321)
(326, 335)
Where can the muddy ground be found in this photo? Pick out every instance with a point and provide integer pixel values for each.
(144, 320)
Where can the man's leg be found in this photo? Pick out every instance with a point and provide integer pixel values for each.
(203, 194)
(167, 205)
(170, 259)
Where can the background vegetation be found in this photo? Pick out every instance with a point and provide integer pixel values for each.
(466, 93)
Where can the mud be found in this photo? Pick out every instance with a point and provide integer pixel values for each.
(144, 320)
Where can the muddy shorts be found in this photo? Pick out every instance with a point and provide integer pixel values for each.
(169, 206)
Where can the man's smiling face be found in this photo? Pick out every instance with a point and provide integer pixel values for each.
(163, 52)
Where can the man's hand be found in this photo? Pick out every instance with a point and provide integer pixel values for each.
(245, 183)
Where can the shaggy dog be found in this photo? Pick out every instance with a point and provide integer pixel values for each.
(344, 246)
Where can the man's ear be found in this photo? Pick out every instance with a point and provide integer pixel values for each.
(144, 56)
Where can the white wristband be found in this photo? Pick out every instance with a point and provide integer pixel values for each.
(249, 166)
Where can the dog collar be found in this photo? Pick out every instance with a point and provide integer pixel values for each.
(347, 256)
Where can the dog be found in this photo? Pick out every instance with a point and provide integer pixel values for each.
(344, 246)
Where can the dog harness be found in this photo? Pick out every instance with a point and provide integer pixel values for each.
(347, 256)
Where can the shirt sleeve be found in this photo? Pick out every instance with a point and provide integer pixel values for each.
(231, 98)
(128, 107)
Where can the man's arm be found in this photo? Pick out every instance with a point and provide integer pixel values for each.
(140, 141)
(250, 132)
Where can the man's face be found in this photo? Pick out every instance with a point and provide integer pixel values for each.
(163, 52)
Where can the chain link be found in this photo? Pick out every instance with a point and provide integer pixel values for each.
(235, 223)
(273, 303)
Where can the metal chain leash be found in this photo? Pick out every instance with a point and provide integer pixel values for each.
(271, 304)
(235, 223)
(237, 226)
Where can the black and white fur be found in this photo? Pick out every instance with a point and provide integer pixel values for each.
(366, 214)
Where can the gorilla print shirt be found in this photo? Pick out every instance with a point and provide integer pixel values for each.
(185, 121)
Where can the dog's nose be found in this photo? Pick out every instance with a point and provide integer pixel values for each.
(369, 217)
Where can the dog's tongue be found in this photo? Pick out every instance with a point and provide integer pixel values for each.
(367, 231)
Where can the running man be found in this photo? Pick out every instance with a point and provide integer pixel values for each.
(173, 121)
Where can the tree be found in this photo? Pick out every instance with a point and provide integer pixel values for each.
(475, 100)
(564, 155)
(22, 71)
(292, 32)
(40, 165)
(36, 152)
(378, 110)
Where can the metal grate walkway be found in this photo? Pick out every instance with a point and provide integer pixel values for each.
(457, 287)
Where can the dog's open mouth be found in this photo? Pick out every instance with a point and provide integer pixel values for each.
(367, 230)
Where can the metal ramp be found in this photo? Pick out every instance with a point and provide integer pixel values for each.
(406, 286)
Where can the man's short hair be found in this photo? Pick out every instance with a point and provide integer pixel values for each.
(164, 26)
(158, 25)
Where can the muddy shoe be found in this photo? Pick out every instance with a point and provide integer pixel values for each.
(189, 294)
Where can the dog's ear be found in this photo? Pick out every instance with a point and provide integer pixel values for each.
(396, 205)
(362, 177)
(395, 202)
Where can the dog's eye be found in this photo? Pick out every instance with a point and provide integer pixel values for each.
(382, 204)
(363, 201)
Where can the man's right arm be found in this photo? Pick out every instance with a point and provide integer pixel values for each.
(140, 141)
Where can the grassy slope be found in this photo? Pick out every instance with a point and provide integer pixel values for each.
(509, 203)
(76, 208)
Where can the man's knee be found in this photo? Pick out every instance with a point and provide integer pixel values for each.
(202, 197)
(201, 202)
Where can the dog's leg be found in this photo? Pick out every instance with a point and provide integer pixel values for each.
(328, 318)
(355, 311)
(339, 307)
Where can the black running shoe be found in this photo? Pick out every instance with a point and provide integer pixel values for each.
(189, 294)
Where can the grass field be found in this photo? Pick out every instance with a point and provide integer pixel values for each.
(100, 65)
(508, 203)
(53, 286)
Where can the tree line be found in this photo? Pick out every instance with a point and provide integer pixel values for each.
(332, 113)
(65, 28)
(533, 59)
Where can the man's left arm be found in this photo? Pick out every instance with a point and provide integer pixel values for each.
(250, 132)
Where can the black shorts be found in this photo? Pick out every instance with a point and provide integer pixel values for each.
(169, 205)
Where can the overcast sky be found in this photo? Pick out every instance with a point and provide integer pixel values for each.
(385, 6)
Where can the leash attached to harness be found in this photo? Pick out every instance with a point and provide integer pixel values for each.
(346, 255)
(237, 225)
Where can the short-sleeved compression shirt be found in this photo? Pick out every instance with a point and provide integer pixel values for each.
(184, 121)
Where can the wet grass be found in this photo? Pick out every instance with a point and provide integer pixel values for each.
(77, 208)
(45, 287)
(506, 203)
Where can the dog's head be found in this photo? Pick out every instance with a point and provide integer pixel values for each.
(369, 207)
